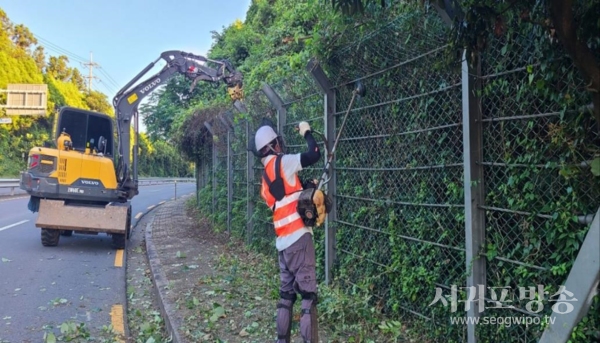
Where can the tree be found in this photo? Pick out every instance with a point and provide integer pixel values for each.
(98, 102)
(164, 106)
(78, 79)
(58, 69)
(22, 37)
(6, 24)
(573, 23)
(39, 57)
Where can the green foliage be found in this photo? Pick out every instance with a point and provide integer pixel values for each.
(166, 107)
(70, 93)
(98, 102)
(161, 159)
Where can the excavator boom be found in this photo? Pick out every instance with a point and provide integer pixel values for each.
(127, 100)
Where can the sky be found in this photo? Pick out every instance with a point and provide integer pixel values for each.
(123, 36)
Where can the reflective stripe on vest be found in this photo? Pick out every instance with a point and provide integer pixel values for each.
(285, 217)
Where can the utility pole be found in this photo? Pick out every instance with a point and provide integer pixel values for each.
(91, 76)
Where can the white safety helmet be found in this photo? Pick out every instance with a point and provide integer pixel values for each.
(264, 135)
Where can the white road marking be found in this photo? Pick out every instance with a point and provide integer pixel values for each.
(13, 225)
(16, 198)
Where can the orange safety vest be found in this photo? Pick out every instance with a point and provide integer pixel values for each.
(285, 216)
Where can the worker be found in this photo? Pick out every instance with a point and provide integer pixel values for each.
(294, 241)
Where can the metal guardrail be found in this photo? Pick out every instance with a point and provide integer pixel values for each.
(13, 184)
(159, 180)
(10, 183)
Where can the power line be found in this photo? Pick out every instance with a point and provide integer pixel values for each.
(108, 87)
(90, 64)
(58, 49)
(108, 77)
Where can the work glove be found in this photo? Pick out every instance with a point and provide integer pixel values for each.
(303, 127)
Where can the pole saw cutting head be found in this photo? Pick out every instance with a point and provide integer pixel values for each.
(359, 89)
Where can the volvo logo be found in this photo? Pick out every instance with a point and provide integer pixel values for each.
(88, 183)
(150, 86)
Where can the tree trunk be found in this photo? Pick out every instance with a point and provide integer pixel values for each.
(561, 12)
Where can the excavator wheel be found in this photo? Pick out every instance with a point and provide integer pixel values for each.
(119, 240)
(50, 237)
(128, 223)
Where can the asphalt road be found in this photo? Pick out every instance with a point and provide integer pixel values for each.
(81, 280)
(8, 191)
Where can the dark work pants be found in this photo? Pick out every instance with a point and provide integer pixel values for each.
(297, 271)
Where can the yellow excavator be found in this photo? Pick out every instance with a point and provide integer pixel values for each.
(82, 185)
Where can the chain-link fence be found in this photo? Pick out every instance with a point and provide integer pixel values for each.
(425, 134)
(538, 181)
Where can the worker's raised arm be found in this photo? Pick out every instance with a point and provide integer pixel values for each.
(313, 154)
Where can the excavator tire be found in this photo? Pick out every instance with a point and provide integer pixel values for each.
(66, 233)
(119, 240)
(50, 237)
(128, 223)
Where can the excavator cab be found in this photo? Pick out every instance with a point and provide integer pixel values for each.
(86, 130)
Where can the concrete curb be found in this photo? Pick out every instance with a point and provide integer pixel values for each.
(159, 280)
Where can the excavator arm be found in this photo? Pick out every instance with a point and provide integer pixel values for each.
(127, 100)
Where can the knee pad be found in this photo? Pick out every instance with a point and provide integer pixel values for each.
(288, 296)
(309, 296)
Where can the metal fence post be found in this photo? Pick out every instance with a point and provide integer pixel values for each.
(473, 190)
(199, 181)
(238, 105)
(214, 168)
(279, 106)
(319, 76)
(207, 153)
(229, 180)
(214, 178)
(249, 188)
